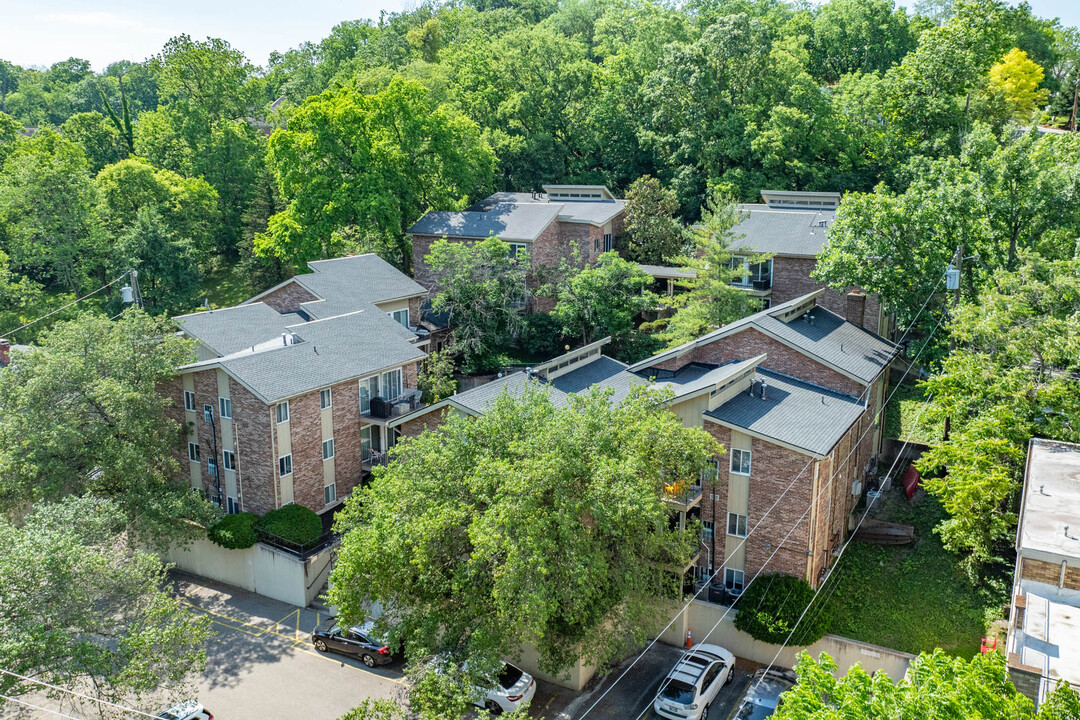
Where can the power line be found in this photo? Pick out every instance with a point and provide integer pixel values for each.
(77, 694)
(65, 307)
(926, 344)
(32, 706)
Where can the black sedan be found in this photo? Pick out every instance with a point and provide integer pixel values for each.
(357, 640)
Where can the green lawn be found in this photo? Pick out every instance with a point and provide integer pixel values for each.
(225, 286)
(911, 597)
(901, 413)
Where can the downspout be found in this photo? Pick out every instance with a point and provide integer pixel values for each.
(274, 457)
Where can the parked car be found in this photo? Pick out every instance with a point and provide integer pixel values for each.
(694, 682)
(358, 640)
(187, 710)
(513, 688)
(762, 696)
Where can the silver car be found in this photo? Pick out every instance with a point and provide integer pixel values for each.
(762, 695)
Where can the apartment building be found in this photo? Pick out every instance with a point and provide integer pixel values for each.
(793, 393)
(562, 222)
(296, 392)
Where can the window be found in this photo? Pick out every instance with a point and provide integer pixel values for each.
(284, 465)
(707, 532)
(711, 473)
(369, 388)
(607, 242)
(211, 466)
(518, 250)
(369, 440)
(328, 449)
(189, 400)
(736, 525)
(329, 494)
(208, 413)
(228, 460)
(231, 506)
(710, 675)
(401, 316)
(325, 399)
(193, 451)
(733, 581)
(224, 407)
(282, 410)
(740, 461)
(596, 244)
(392, 384)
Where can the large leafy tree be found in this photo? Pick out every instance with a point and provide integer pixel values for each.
(1018, 78)
(936, 686)
(82, 414)
(83, 610)
(858, 36)
(98, 137)
(357, 170)
(529, 524)
(654, 235)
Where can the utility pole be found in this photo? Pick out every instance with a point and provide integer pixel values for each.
(954, 275)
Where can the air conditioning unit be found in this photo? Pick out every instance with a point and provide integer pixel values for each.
(381, 407)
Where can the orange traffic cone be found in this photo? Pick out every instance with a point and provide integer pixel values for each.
(689, 640)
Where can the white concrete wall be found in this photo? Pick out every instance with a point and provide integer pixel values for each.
(575, 677)
(260, 569)
(700, 618)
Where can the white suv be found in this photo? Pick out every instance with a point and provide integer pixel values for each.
(694, 682)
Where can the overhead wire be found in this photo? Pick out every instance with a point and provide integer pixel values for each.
(65, 307)
(77, 694)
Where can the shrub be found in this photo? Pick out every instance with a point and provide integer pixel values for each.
(772, 605)
(234, 532)
(294, 523)
(541, 336)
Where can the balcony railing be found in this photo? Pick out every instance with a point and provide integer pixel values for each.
(386, 409)
(760, 285)
(682, 495)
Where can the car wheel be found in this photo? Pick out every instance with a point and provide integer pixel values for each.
(320, 646)
(368, 660)
(493, 707)
(705, 712)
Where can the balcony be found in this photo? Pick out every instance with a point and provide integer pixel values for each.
(385, 410)
(682, 496)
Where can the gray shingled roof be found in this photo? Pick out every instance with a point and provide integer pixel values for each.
(694, 377)
(232, 329)
(596, 212)
(328, 352)
(507, 221)
(794, 412)
(843, 345)
(783, 231)
(348, 283)
(664, 271)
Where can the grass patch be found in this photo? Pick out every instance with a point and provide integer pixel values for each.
(911, 597)
(900, 417)
(225, 286)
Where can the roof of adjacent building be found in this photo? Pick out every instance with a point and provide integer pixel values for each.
(846, 347)
(695, 377)
(782, 231)
(1050, 511)
(794, 412)
(665, 271)
(232, 329)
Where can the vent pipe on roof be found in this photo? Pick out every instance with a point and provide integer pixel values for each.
(764, 384)
(285, 339)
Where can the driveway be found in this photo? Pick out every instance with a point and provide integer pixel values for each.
(260, 662)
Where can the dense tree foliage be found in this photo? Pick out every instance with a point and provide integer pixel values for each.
(777, 609)
(653, 233)
(529, 524)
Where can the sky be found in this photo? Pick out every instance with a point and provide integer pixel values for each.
(41, 32)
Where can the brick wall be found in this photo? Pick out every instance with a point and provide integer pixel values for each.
(427, 421)
(414, 311)
(347, 454)
(714, 500)
(288, 297)
(1049, 573)
(421, 246)
(791, 279)
(257, 477)
(305, 430)
(206, 393)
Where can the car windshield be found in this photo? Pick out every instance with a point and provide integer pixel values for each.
(509, 676)
(753, 711)
(678, 691)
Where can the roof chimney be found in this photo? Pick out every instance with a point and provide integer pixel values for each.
(5, 352)
(855, 311)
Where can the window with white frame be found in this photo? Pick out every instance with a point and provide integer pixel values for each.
(391, 381)
(208, 413)
(401, 316)
(369, 388)
(608, 245)
(231, 506)
(329, 493)
(224, 407)
(282, 412)
(193, 451)
(740, 461)
(189, 400)
(733, 581)
(284, 464)
(325, 398)
(518, 250)
(328, 449)
(211, 467)
(707, 531)
(736, 524)
(369, 440)
(228, 460)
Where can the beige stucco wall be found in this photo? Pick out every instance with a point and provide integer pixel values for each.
(575, 677)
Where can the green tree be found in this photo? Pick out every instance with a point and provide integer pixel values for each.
(604, 299)
(1018, 78)
(10, 132)
(365, 167)
(653, 234)
(483, 290)
(776, 608)
(858, 36)
(436, 378)
(83, 415)
(97, 137)
(589, 546)
(937, 686)
(82, 610)
(710, 300)
(167, 262)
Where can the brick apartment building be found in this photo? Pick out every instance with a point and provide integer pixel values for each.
(297, 391)
(791, 227)
(550, 226)
(793, 393)
(1043, 642)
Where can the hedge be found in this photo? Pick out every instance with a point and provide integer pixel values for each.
(773, 604)
(294, 523)
(234, 532)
